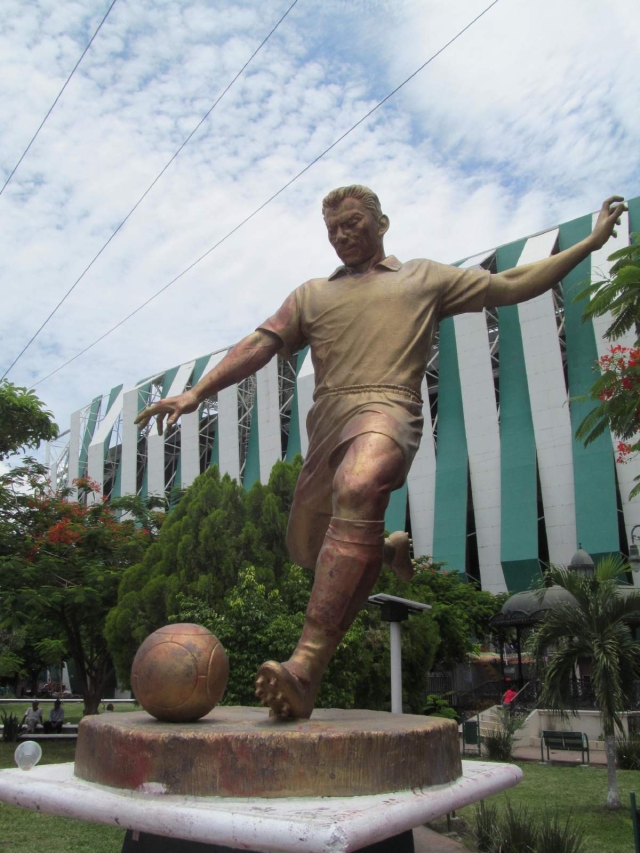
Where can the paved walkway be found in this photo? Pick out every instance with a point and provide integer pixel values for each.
(427, 841)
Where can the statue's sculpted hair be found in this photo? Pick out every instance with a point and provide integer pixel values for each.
(335, 198)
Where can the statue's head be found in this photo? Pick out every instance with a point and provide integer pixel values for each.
(355, 223)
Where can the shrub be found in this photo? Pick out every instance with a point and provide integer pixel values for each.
(438, 706)
(11, 727)
(487, 827)
(499, 744)
(628, 752)
(557, 837)
(517, 830)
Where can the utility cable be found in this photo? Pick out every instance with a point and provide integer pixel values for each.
(271, 198)
(148, 190)
(58, 96)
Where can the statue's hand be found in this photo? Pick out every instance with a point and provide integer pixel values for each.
(607, 220)
(172, 406)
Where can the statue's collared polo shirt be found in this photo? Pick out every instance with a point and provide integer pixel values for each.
(375, 328)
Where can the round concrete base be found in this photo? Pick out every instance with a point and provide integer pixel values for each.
(242, 752)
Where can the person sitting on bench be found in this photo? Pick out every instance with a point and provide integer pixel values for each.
(32, 717)
(56, 719)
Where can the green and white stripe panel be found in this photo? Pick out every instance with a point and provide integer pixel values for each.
(229, 436)
(304, 394)
(269, 430)
(501, 451)
(101, 437)
(483, 435)
(549, 408)
(155, 442)
(421, 484)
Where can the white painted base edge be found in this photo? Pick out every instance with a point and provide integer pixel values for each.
(313, 825)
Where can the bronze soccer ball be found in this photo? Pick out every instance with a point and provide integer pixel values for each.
(180, 673)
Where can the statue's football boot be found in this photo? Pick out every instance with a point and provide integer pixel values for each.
(397, 555)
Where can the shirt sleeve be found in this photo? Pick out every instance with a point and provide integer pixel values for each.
(286, 324)
(462, 290)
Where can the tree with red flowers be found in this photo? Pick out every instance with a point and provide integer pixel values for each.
(61, 562)
(616, 391)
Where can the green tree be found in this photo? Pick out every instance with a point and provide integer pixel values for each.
(615, 393)
(27, 650)
(618, 294)
(461, 610)
(592, 631)
(215, 531)
(60, 566)
(23, 420)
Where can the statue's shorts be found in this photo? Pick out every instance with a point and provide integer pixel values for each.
(334, 421)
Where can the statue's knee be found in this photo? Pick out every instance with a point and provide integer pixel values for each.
(357, 494)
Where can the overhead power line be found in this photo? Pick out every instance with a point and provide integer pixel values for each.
(147, 191)
(271, 198)
(58, 96)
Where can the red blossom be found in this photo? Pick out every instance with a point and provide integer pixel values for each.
(63, 534)
(87, 484)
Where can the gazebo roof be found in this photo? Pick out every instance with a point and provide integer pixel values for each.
(525, 609)
(528, 607)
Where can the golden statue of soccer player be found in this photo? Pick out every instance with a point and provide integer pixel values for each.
(369, 325)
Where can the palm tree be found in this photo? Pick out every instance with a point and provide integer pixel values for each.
(592, 630)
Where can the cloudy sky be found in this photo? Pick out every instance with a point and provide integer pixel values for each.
(530, 119)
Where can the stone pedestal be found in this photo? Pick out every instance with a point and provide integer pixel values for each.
(288, 825)
(242, 752)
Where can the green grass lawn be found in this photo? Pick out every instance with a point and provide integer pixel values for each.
(581, 793)
(576, 791)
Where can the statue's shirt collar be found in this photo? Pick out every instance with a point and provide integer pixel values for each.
(389, 263)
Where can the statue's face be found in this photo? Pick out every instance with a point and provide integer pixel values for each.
(354, 232)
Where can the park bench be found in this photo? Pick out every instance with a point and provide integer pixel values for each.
(69, 732)
(564, 741)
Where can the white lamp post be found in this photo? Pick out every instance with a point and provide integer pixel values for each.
(394, 611)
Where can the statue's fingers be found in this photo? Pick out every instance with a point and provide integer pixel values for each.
(614, 233)
(159, 420)
(142, 420)
(607, 204)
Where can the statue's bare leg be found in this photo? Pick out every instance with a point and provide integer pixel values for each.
(397, 555)
(346, 571)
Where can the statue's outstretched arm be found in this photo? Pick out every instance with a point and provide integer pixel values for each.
(246, 357)
(522, 283)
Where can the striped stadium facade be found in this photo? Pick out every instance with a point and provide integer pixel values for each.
(499, 485)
